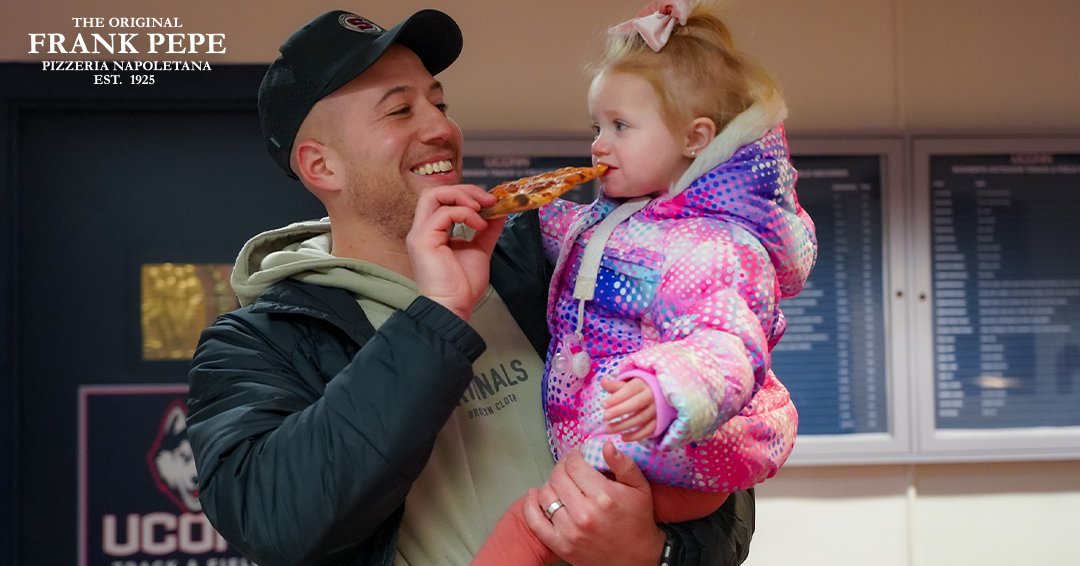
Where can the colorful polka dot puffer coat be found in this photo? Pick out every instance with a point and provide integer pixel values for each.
(688, 288)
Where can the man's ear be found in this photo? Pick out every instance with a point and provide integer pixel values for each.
(316, 165)
(701, 131)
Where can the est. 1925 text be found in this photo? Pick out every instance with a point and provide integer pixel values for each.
(119, 79)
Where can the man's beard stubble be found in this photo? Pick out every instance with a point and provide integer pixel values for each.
(387, 204)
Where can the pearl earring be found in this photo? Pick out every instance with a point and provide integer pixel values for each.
(693, 153)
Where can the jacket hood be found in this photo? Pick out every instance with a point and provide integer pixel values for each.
(756, 121)
(301, 251)
(745, 176)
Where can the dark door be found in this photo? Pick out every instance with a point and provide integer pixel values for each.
(110, 193)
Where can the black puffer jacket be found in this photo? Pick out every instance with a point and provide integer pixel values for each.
(308, 433)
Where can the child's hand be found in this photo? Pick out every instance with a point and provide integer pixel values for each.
(630, 410)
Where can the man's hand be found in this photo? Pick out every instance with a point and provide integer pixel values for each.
(452, 271)
(602, 521)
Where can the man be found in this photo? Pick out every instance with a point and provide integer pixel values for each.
(376, 401)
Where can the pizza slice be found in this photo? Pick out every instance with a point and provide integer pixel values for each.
(533, 192)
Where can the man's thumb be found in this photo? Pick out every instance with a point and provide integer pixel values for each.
(625, 469)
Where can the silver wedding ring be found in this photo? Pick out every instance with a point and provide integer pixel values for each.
(551, 509)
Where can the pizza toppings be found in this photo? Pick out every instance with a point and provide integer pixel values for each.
(533, 192)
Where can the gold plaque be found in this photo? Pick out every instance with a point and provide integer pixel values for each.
(179, 300)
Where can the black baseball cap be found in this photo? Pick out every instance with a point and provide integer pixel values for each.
(332, 50)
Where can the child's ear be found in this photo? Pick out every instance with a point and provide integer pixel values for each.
(701, 131)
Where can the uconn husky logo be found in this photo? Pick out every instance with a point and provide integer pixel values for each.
(139, 495)
(172, 464)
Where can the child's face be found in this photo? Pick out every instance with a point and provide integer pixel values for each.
(642, 154)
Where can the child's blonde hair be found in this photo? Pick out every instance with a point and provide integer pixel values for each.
(699, 72)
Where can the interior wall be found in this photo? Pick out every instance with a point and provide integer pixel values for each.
(856, 66)
(991, 514)
(966, 65)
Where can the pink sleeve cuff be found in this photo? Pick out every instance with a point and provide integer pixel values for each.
(665, 413)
